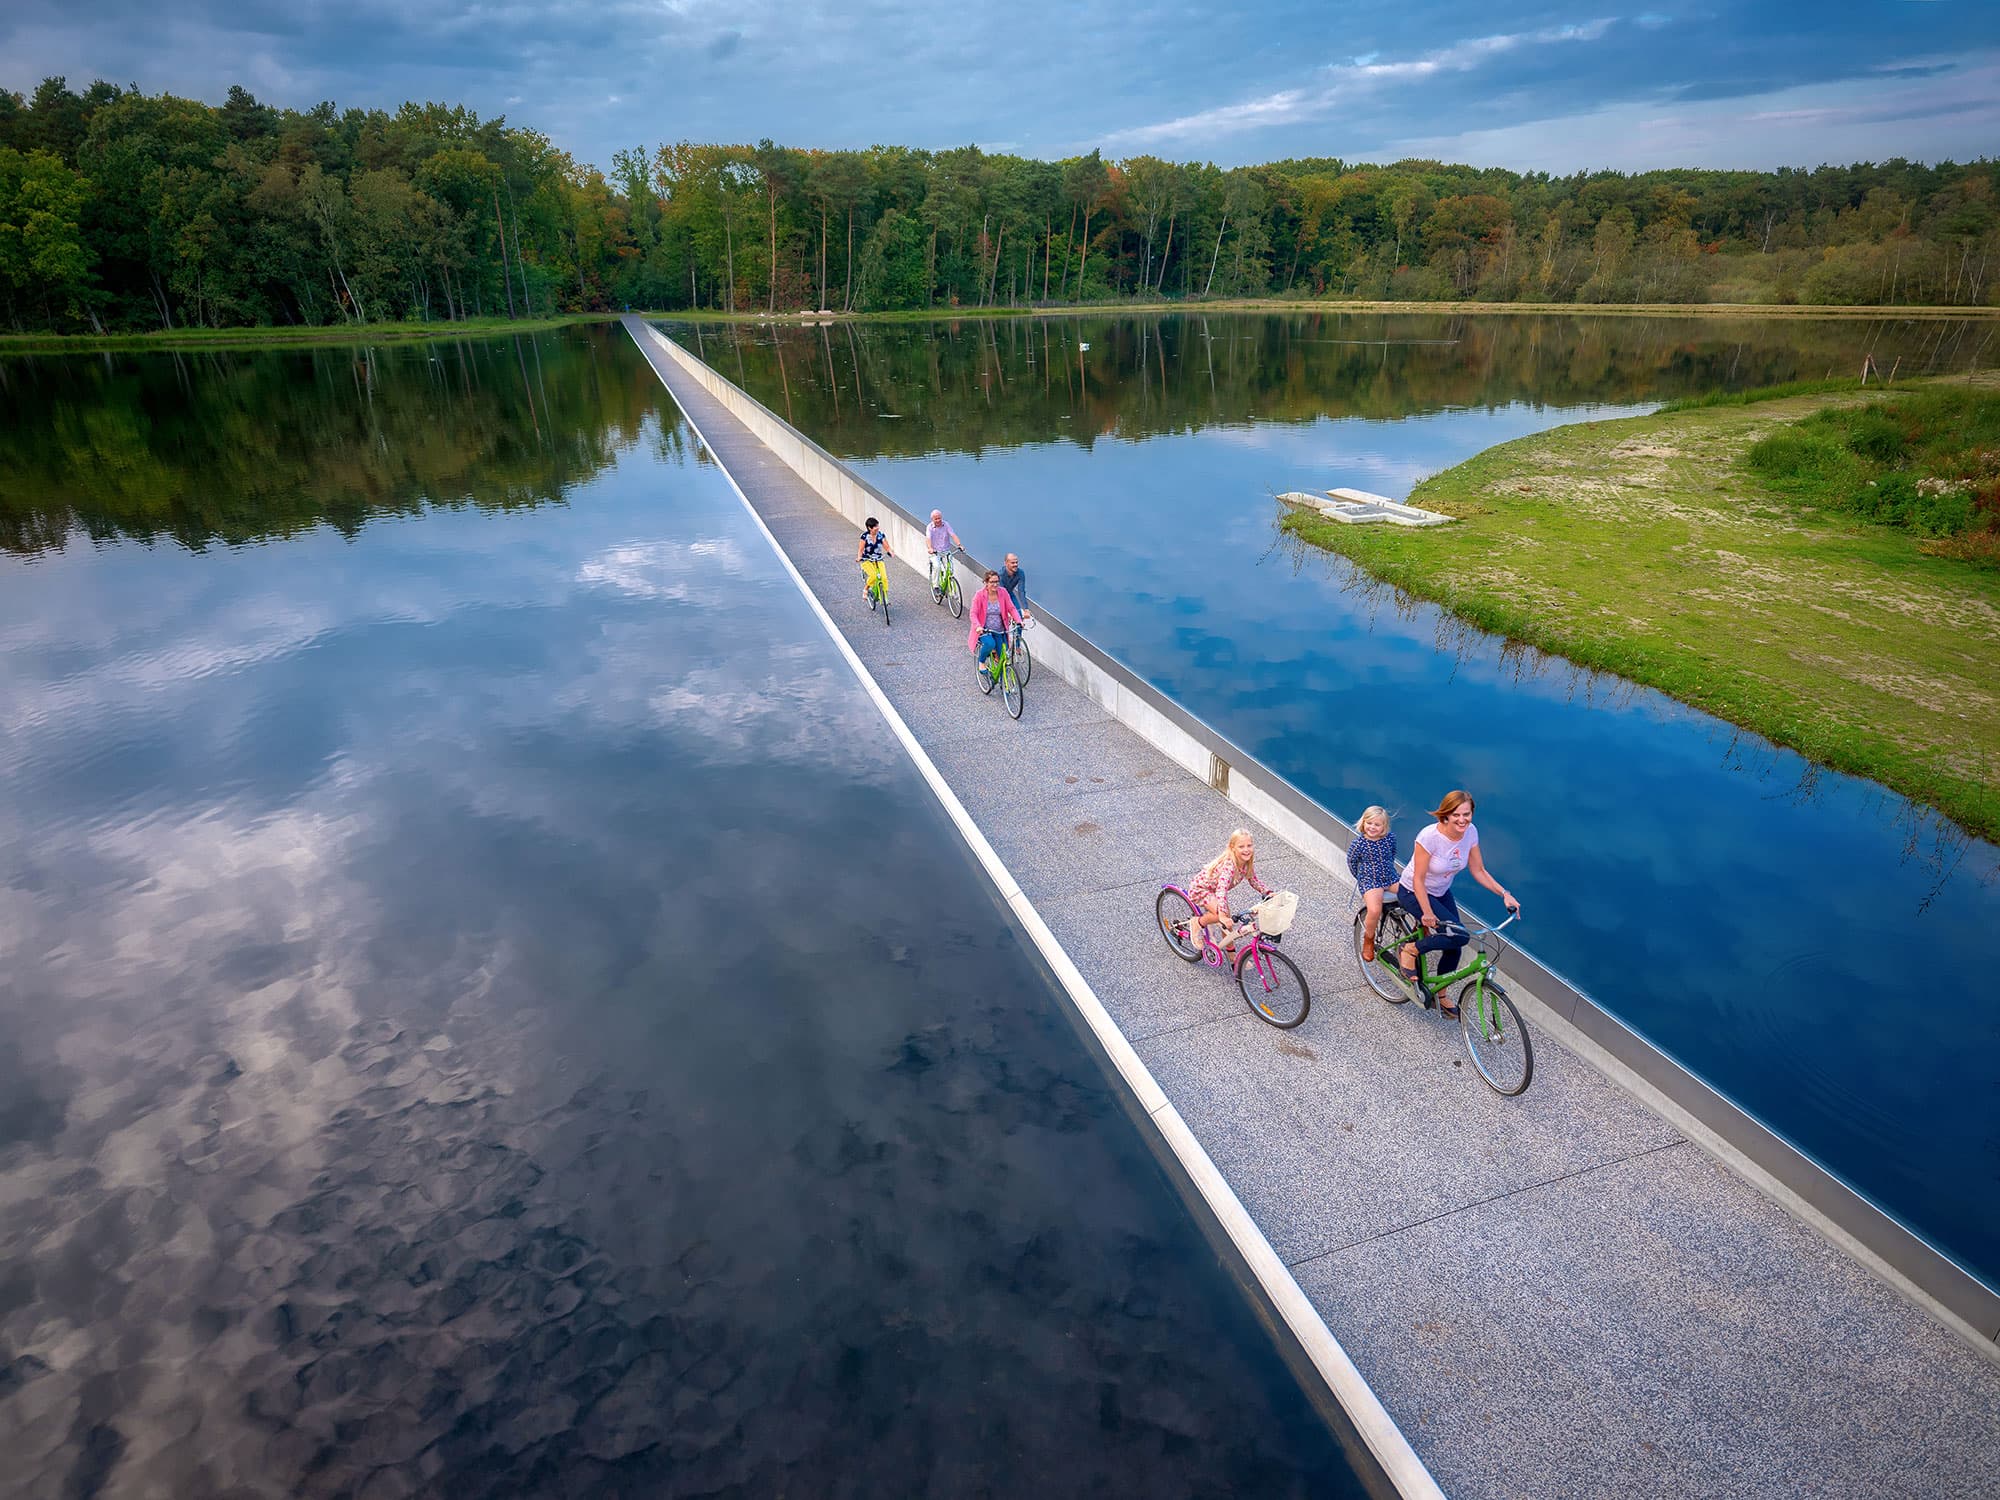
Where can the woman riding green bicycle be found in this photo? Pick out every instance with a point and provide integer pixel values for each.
(1449, 845)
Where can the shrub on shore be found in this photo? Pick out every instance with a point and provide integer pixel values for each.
(1928, 461)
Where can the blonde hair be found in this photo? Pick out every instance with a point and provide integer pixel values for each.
(1361, 826)
(1228, 848)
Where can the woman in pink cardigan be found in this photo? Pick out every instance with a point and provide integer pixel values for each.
(993, 615)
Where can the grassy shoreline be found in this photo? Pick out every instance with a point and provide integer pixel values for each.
(350, 333)
(1645, 548)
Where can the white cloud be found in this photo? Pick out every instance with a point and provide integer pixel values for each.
(1852, 120)
(1339, 82)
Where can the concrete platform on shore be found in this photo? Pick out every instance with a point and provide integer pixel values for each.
(1555, 1295)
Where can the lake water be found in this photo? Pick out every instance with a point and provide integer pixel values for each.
(485, 1008)
(1747, 912)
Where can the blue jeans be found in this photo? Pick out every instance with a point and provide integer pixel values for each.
(1448, 948)
(990, 641)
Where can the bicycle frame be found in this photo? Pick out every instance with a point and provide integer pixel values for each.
(1214, 957)
(1482, 964)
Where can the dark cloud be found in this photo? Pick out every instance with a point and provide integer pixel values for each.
(1048, 78)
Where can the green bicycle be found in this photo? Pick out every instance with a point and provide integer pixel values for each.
(1496, 1038)
(945, 589)
(998, 671)
(877, 590)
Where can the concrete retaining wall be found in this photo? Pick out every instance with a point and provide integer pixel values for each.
(1708, 1118)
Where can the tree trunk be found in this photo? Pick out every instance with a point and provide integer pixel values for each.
(822, 255)
(1063, 289)
(520, 266)
(847, 299)
(160, 300)
(360, 312)
(1084, 261)
(771, 197)
(505, 275)
(1216, 257)
(993, 284)
(930, 271)
(1048, 249)
(1166, 253)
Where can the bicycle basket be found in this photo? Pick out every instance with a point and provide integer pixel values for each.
(1275, 913)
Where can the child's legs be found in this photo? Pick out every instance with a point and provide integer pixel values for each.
(1374, 902)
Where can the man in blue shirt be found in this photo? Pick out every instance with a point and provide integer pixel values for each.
(1015, 582)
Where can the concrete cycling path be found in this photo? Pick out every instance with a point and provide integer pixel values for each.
(1555, 1295)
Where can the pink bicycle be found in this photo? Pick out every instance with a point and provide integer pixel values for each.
(1271, 983)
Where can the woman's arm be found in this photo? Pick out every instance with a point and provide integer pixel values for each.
(858, 548)
(1476, 863)
(1420, 866)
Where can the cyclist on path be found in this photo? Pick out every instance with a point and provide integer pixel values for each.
(993, 615)
(874, 546)
(1442, 850)
(1015, 582)
(1210, 889)
(939, 539)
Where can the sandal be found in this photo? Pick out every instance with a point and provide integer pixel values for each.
(1449, 1012)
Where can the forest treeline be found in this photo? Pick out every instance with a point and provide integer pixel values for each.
(123, 210)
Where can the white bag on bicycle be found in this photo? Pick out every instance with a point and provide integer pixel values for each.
(1275, 913)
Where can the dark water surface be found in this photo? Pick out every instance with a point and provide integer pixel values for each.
(1807, 942)
(486, 1010)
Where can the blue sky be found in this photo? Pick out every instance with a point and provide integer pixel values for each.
(1527, 86)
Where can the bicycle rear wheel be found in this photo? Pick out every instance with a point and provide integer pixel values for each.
(1022, 659)
(1496, 1038)
(954, 598)
(1395, 930)
(1273, 987)
(1176, 922)
(1011, 692)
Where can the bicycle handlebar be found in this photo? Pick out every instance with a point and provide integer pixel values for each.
(1468, 933)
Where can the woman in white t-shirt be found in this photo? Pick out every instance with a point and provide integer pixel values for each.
(1449, 845)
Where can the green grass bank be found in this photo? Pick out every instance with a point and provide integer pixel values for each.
(1650, 548)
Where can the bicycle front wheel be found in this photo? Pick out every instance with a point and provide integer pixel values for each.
(1394, 930)
(1010, 689)
(1176, 921)
(1022, 659)
(954, 598)
(885, 606)
(1496, 1038)
(1273, 987)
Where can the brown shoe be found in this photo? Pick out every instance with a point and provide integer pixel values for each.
(1368, 950)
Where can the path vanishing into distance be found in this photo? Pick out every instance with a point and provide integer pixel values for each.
(1555, 1295)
